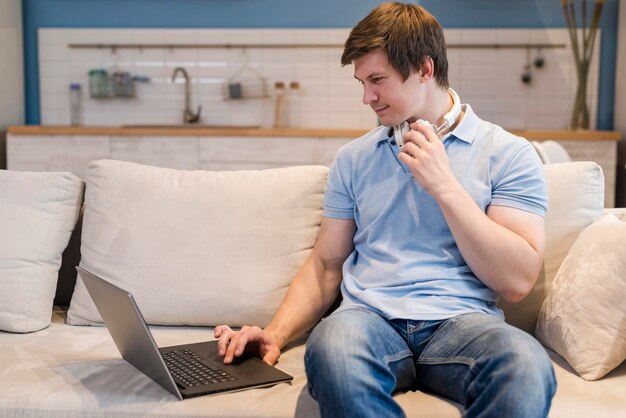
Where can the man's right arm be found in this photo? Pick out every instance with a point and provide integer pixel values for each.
(310, 295)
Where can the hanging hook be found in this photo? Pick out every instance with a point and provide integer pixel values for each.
(246, 55)
(540, 61)
(527, 76)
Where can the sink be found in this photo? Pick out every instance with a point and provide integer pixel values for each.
(191, 126)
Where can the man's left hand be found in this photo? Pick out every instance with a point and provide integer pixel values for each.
(424, 154)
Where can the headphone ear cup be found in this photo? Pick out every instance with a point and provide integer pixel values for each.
(399, 132)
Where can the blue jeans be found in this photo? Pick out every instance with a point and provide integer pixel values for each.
(355, 360)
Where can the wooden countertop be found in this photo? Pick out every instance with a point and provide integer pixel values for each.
(200, 130)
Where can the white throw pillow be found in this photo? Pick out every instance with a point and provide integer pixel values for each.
(197, 247)
(575, 201)
(38, 212)
(584, 316)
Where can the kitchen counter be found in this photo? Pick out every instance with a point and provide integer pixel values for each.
(203, 130)
(184, 130)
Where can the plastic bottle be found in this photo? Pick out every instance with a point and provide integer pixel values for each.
(294, 105)
(279, 90)
(75, 104)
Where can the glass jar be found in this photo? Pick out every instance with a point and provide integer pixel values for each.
(98, 84)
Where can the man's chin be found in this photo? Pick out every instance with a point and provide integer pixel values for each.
(388, 122)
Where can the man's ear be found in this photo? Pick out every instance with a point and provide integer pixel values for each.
(427, 69)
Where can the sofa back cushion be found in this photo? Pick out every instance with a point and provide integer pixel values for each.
(197, 247)
(576, 200)
(38, 212)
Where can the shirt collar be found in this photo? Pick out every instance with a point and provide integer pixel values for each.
(466, 130)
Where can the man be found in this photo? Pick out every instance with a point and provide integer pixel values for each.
(422, 232)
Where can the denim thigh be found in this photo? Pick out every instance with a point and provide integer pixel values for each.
(480, 361)
(354, 362)
(355, 338)
(477, 360)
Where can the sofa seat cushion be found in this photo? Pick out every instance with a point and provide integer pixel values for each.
(38, 212)
(197, 247)
(74, 371)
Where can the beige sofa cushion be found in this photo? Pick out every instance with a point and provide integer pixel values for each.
(38, 212)
(576, 199)
(584, 316)
(197, 247)
(67, 371)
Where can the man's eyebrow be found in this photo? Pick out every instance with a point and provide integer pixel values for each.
(373, 75)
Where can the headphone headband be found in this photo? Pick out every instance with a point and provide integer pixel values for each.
(450, 117)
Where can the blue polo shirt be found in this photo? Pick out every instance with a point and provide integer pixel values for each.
(405, 262)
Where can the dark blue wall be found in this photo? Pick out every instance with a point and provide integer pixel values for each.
(298, 14)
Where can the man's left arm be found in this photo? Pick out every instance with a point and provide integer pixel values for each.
(503, 247)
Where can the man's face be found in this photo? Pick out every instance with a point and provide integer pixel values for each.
(392, 99)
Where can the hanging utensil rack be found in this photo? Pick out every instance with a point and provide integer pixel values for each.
(113, 47)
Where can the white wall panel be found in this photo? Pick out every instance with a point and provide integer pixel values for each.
(11, 64)
(487, 78)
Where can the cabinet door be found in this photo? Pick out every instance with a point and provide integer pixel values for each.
(249, 153)
(604, 153)
(55, 153)
(170, 152)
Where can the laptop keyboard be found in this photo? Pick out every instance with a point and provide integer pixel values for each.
(188, 369)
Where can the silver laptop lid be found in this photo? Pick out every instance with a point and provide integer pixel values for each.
(128, 328)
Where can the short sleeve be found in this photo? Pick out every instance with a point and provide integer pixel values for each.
(521, 184)
(338, 199)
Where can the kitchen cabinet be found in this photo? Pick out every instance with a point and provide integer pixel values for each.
(602, 152)
(245, 152)
(71, 149)
(73, 153)
(165, 151)
(55, 153)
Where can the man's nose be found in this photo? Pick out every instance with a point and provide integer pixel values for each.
(369, 96)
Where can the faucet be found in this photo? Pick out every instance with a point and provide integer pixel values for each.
(188, 115)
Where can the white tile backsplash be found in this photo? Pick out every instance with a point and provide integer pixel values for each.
(487, 78)
(278, 36)
(54, 36)
(478, 36)
(512, 36)
(181, 36)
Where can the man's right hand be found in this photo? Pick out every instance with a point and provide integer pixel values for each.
(254, 340)
(310, 294)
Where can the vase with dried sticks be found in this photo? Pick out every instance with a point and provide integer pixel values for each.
(583, 52)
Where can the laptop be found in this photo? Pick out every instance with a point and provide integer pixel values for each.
(186, 370)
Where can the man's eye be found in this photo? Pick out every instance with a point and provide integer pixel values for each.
(377, 80)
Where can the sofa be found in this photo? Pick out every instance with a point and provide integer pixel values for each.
(199, 248)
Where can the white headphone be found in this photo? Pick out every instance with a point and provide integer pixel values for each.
(448, 120)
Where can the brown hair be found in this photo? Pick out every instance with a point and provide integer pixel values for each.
(407, 33)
